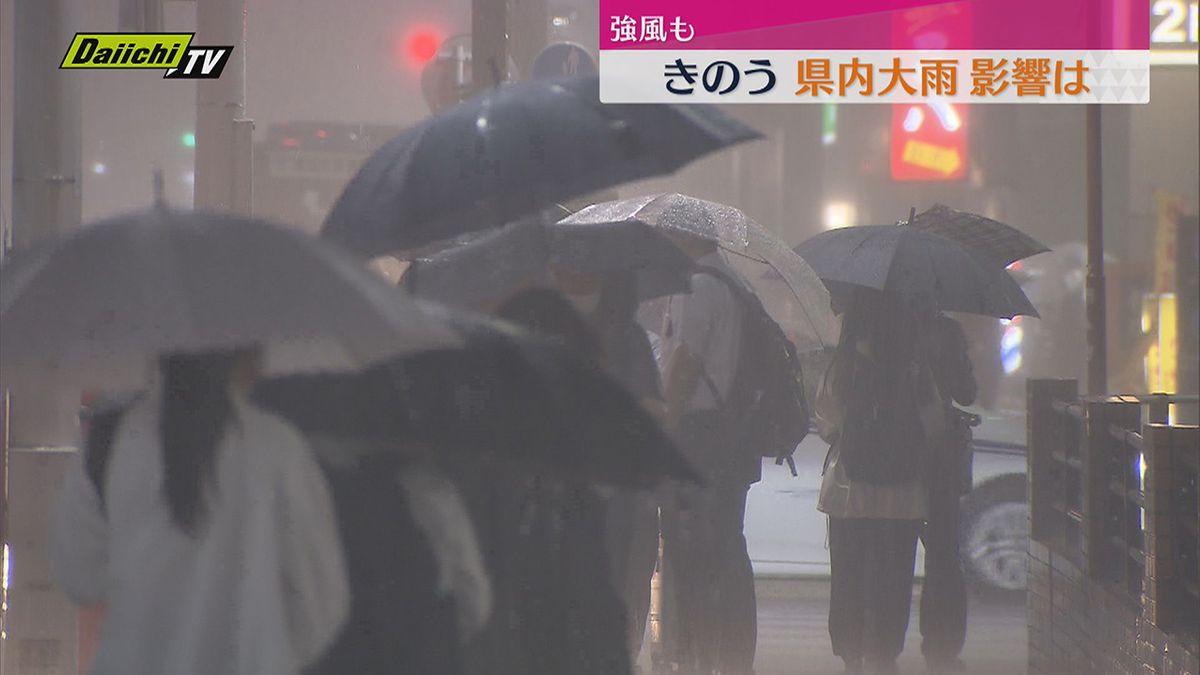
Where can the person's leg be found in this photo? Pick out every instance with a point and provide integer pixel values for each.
(894, 555)
(847, 604)
(685, 584)
(737, 611)
(943, 619)
(643, 559)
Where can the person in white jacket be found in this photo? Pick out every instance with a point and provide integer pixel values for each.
(212, 542)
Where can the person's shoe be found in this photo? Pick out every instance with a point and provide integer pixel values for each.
(945, 666)
(853, 666)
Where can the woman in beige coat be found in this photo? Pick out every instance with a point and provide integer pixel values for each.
(876, 405)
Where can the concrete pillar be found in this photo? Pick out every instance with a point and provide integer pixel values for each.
(489, 43)
(223, 149)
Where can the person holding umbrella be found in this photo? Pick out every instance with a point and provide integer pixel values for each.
(878, 408)
(193, 538)
(211, 538)
(631, 518)
(710, 610)
(572, 613)
(944, 594)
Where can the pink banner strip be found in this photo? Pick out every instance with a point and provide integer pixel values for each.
(877, 24)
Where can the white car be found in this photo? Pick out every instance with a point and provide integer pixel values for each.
(786, 534)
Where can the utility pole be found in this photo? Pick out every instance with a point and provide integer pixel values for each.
(46, 201)
(46, 197)
(1097, 362)
(223, 135)
(489, 44)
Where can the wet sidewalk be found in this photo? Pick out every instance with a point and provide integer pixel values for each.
(793, 637)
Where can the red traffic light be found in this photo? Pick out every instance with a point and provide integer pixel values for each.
(420, 45)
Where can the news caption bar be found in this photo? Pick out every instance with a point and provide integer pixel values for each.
(874, 76)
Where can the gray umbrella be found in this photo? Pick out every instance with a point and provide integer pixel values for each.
(910, 263)
(95, 306)
(787, 287)
(512, 152)
(999, 243)
(488, 268)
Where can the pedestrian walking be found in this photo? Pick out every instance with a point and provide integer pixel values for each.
(877, 407)
(710, 613)
(543, 537)
(943, 617)
(631, 518)
(209, 534)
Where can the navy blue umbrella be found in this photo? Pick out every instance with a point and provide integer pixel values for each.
(909, 263)
(510, 153)
(506, 396)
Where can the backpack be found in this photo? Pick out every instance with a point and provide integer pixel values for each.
(883, 439)
(766, 406)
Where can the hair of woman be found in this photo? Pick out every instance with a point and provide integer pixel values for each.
(196, 409)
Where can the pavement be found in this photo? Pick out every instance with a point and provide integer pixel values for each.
(793, 636)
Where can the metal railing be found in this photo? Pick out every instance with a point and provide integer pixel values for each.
(1115, 490)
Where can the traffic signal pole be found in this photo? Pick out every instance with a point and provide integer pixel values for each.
(1097, 339)
(223, 135)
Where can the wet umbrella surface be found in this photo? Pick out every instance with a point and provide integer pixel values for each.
(91, 308)
(999, 243)
(904, 261)
(788, 288)
(510, 153)
(506, 397)
(491, 267)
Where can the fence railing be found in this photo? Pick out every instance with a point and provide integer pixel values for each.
(1114, 489)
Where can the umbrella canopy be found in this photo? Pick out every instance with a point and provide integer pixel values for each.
(489, 268)
(94, 306)
(789, 289)
(910, 263)
(506, 396)
(997, 242)
(512, 152)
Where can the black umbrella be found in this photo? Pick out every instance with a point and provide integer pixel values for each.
(910, 263)
(506, 396)
(511, 152)
(490, 267)
(999, 243)
(785, 284)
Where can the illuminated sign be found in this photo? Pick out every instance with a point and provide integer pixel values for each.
(1173, 31)
(929, 142)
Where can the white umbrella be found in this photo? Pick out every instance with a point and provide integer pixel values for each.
(93, 308)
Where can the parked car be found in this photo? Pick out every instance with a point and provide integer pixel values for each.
(787, 536)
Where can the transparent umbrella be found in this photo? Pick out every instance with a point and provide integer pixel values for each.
(786, 285)
(95, 306)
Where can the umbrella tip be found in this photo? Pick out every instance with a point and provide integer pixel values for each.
(160, 200)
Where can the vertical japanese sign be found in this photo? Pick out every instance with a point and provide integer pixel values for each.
(860, 51)
(929, 140)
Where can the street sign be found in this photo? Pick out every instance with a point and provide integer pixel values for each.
(563, 59)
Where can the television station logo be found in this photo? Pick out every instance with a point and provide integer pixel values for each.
(172, 52)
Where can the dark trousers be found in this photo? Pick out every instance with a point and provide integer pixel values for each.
(710, 616)
(631, 530)
(871, 563)
(944, 593)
